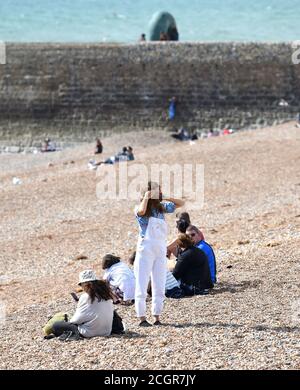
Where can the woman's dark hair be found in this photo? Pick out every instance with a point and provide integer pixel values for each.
(132, 258)
(153, 203)
(184, 241)
(109, 260)
(183, 222)
(182, 225)
(99, 289)
(185, 216)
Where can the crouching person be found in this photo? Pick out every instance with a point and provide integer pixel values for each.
(94, 313)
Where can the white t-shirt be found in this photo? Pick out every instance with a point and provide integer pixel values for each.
(93, 319)
(121, 276)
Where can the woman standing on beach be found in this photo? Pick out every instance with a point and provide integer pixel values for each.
(151, 250)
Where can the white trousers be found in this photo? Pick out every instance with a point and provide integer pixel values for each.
(151, 262)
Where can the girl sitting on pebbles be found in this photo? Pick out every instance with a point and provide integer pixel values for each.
(94, 313)
(120, 277)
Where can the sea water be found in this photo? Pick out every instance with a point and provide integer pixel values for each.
(125, 20)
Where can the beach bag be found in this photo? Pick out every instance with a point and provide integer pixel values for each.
(117, 325)
(48, 328)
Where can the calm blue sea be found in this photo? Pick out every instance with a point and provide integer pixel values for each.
(125, 20)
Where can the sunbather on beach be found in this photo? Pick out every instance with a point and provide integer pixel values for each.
(125, 155)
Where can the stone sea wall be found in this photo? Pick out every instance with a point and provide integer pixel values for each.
(72, 92)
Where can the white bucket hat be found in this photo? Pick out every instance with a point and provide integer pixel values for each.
(87, 276)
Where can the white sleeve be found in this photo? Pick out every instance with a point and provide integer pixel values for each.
(107, 276)
(82, 310)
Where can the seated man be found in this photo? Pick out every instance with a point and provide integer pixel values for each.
(48, 146)
(130, 156)
(197, 237)
(192, 269)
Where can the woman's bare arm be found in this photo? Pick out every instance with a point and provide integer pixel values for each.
(178, 202)
(143, 205)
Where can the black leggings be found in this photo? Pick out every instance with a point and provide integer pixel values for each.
(61, 326)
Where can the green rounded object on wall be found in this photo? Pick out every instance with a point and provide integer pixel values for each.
(163, 22)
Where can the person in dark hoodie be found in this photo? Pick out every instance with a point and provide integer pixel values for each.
(192, 269)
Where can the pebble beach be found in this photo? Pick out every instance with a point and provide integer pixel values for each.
(53, 226)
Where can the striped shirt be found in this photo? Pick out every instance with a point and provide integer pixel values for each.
(171, 282)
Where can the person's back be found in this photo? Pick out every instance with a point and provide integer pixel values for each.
(99, 147)
(130, 155)
(192, 268)
(121, 276)
(93, 318)
(207, 249)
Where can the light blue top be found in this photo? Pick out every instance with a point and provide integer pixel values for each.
(143, 221)
(207, 249)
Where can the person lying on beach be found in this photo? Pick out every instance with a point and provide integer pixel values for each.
(120, 277)
(197, 237)
(192, 269)
(125, 155)
(182, 135)
(172, 288)
(94, 313)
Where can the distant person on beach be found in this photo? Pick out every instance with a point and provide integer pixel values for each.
(192, 269)
(130, 155)
(182, 135)
(98, 147)
(94, 313)
(120, 277)
(48, 146)
(194, 135)
(125, 155)
(151, 250)
(172, 108)
(197, 237)
(142, 38)
(172, 287)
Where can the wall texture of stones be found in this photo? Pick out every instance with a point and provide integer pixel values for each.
(74, 91)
